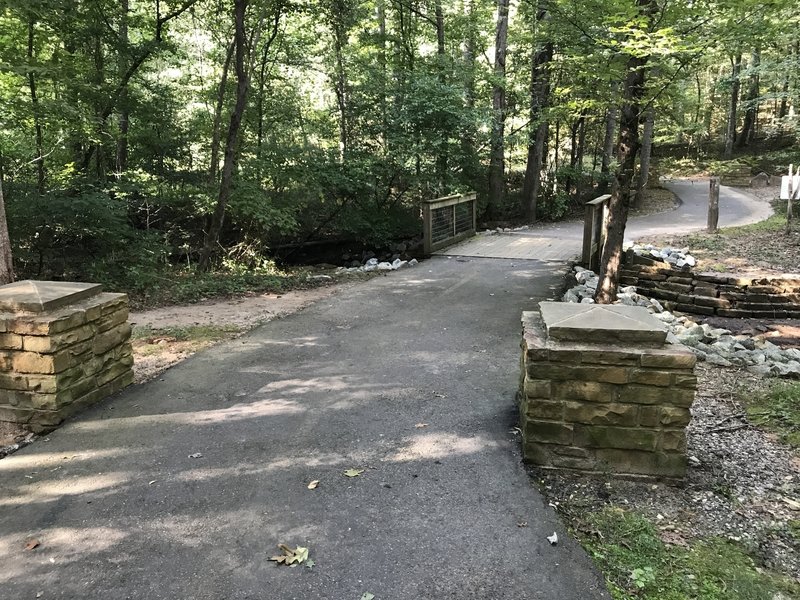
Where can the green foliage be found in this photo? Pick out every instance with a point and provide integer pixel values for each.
(778, 410)
(638, 565)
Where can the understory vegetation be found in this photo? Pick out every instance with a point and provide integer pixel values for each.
(778, 409)
(638, 564)
(144, 140)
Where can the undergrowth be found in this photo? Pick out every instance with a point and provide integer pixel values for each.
(638, 565)
(778, 409)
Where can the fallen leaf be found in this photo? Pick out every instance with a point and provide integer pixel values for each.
(353, 472)
(522, 524)
(290, 557)
(553, 539)
(310, 563)
(196, 455)
(151, 482)
(31, 544)
(420, 425)
(673, 538)
(313, 485)
(367, 596)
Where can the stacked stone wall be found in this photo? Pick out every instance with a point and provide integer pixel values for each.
(725, 295)
(58, 362)
(605, 407)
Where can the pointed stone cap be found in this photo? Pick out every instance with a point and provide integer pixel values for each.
(601, 323)
(43, 296)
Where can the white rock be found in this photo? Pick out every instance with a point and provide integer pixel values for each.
(385, 266)
(413, 262)
(372, 262)
(690, 260)
(587, 300)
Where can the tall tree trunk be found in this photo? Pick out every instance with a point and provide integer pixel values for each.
(628, 146)
(124, 113)
(710, 104)
(381, 10)
(6, 262)
(216, 131)
(784, 106)
(470, 163)
(751, 102)
(497, 153)
(644, 160)
(37, 124)
(442, 157)
(540, 99)
(609, 139)
(730, 136)
(232, 141)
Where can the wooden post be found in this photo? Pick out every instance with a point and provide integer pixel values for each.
(713, 205)
(789, 201)
(427, 230)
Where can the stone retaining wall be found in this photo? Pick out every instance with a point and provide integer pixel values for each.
(55, 362)
(725, 295)
(617, 406)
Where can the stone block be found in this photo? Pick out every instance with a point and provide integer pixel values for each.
(550, 410)
(732, 312)
(33, 362)
(684, 380)
(673, 441)
(13, 381)
(117, 369)
(694, 309)
(537, 388)
(54, 343)
(645, 394)
(651, 377)
(10, 341)
(548, 432)
(106, 340)
(627, 438)
(111, 320)
(649, 416)
(593, 413)
(672, 416)
(680, 359)
(709, 291)
(712, 302)
(591, 391)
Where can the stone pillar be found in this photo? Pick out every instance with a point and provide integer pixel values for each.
(63, 346)
(604, 390)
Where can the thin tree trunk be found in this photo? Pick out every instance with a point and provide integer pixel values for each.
(40, 174)
(751, 102)
(609, 139)
(730, 136)
(470, 161)
(628, 146)
(381, 10)
(442, 157)
(710, 104)
(6, 261)
(124, 114)
(784, 106)
(497, 152)
(644, 160)
(540, 98)
(216, 131)
(232, 141)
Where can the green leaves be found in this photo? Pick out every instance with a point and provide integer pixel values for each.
(353, 472)
(290, 556)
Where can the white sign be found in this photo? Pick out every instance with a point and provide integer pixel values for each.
(795, 187)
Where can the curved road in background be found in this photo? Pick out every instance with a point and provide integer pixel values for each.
(563, 241)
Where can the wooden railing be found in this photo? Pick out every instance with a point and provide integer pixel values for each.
(594, 233)
(448, 220)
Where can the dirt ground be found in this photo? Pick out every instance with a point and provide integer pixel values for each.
(244, 312)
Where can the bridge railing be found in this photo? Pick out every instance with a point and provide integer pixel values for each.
(594, 233)
(448, 220)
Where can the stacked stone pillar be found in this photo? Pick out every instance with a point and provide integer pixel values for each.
(63, 346)
(603, 390)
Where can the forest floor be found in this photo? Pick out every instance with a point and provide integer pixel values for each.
(732, 530)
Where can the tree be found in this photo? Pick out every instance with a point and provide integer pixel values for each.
(497, 152)
(627, 148)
